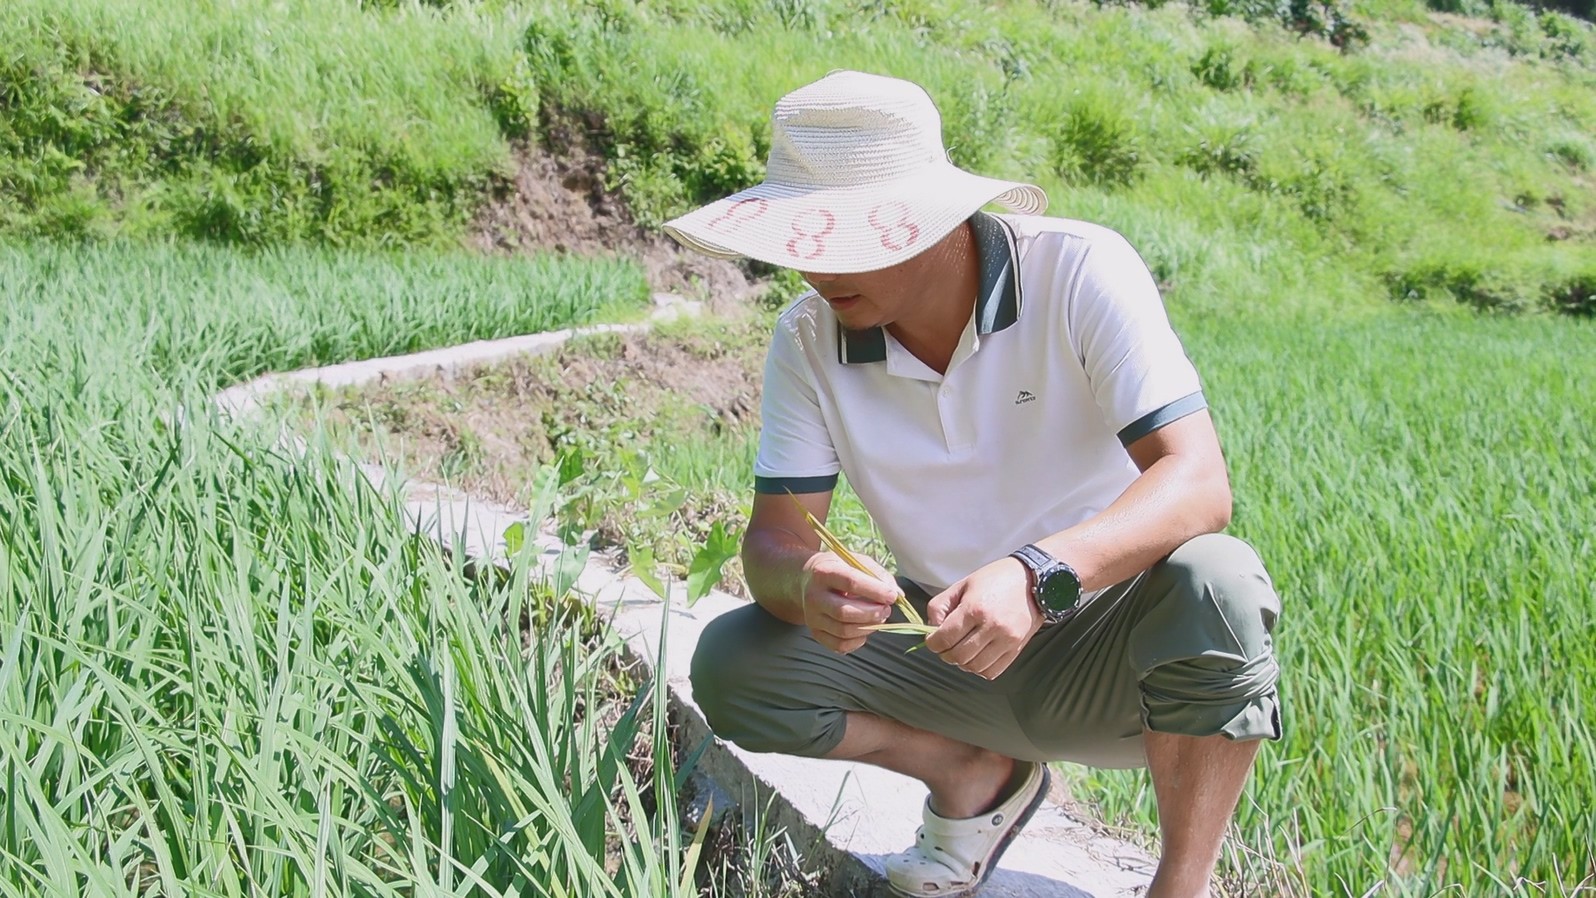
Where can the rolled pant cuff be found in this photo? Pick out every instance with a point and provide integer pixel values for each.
(1253, 718)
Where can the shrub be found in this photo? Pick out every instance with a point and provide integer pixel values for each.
(1319, 188)
(1468, 110)
(1097, 144)
(1470, 282)
(1219, 69)
(1224, 150)
(515, 103)
(1573, 152)
(1565, 37)
(1327, 19)
(1574, 296)
(1585, 9)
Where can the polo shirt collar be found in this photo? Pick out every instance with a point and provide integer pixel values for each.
(997, 305)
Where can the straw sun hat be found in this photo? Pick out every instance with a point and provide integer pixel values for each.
(857, 180)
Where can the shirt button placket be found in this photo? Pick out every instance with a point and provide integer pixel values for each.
(951, 431)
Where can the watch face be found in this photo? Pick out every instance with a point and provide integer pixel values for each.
(1058, 590)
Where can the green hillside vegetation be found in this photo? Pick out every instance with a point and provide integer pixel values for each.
(1251, 164)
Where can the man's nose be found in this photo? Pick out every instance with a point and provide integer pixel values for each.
(815, 277)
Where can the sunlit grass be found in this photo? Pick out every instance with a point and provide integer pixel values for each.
(1420, 486)
(214, 316)
(234, 670)
(1250, 164)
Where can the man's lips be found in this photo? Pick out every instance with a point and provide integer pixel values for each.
(842, 302)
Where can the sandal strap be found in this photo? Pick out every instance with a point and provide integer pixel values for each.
(958, 852)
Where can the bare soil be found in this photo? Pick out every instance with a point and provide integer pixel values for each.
(487, 430)
(621, 402)
(558, 201)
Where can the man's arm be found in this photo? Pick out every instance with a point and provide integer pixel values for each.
(791, 577)
(1183, 492)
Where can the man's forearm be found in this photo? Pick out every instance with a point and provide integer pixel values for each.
(773, 565)
(1174, 500)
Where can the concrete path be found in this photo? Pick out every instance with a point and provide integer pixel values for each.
(843, 818)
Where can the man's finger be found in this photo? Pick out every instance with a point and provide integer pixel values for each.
(992, 660)
(849, 645)
(860, 585)
(855, 612)
(971, 647)
(941, 605)
(954, 629)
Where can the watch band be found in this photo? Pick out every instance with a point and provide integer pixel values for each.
(1033, 557)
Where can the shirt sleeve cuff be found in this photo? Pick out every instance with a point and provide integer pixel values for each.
(796, 485)
(1162, 417)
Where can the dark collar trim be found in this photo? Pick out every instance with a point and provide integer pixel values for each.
(997, 306)
(859, 347)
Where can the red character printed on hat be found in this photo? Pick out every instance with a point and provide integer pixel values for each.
(899, 232)
(740, 211)
(810, 242)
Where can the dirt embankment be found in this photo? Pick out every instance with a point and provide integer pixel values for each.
(558, 201)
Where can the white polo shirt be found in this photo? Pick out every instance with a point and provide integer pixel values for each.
(1067, 359)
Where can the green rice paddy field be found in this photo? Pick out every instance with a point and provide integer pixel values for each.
(1423, 488)
(224, 668)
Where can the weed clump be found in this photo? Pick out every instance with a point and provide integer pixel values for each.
(1097, 144)
(667, 141)
(1465, 281)
(1575, 295)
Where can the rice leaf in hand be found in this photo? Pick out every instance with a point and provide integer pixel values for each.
(921, 629)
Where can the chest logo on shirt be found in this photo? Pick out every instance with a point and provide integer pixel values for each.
(1024, 397)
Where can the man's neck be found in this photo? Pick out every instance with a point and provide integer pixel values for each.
(951, 282)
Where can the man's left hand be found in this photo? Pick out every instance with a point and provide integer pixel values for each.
(984, 620)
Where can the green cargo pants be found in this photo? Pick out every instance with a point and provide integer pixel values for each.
(1183, 647)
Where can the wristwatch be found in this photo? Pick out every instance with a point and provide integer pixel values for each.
(1055, 587)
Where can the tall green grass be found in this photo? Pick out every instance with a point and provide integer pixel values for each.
(1420, 486)
(1251, 166)
(210, 316)
(255, 121)
(226, 670)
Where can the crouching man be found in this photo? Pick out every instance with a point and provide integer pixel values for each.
(1005, 394)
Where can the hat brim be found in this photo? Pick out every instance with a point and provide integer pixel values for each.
(850, 229)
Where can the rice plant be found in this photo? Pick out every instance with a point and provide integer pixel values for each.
(226, 669)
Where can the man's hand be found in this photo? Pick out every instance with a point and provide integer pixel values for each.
(984, 620)
(839, 602)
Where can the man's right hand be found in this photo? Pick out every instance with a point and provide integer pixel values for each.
(839, 601)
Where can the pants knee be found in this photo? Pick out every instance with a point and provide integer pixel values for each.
(1218, 586)
(720, 665)
(747, 679)
(1205, 650)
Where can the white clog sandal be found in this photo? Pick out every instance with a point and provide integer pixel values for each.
(953, 858)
